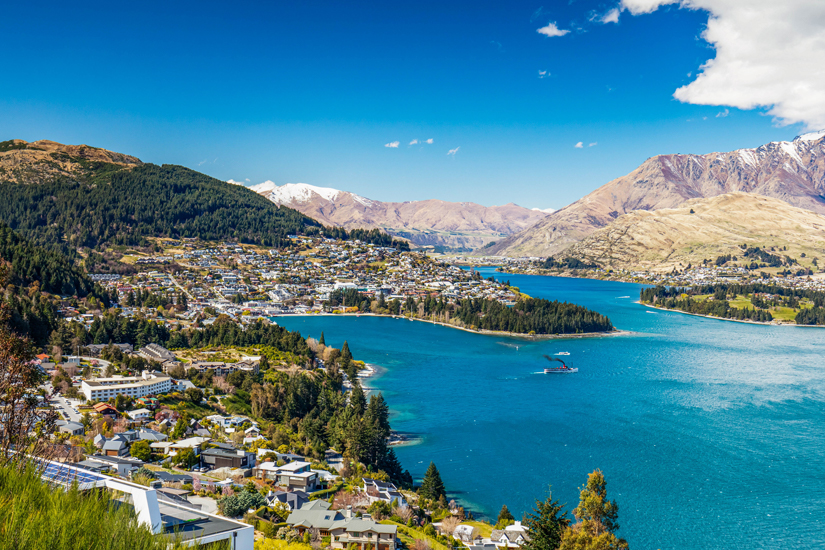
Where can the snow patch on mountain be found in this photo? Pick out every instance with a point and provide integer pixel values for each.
(264, 187)
(790, 149)
(291, 193)
(811, 136)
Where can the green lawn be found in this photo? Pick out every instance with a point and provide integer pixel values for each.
(181, 404)
(484, 529)
(408, 535)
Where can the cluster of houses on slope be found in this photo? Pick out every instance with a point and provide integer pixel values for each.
(290, 282)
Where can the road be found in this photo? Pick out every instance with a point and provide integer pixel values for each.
(62, 405)
(177, 284)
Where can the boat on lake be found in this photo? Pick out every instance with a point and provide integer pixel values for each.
(560, 370)
(563, 369)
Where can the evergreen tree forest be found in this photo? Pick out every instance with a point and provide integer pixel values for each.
(148, 201)
(528, 315)
(128, 205)
(31, 277)
(763, 296)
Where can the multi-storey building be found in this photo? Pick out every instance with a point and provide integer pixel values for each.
(101, 389)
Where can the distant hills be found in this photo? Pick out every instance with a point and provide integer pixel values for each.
(428, 222)
(701, 229)
(793, 172)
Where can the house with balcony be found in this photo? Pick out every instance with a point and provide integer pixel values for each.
(295, 476)
(343, 528)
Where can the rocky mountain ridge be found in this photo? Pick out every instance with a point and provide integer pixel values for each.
(793, 172)
(427, 222)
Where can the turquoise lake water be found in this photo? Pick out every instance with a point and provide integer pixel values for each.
(711, 434)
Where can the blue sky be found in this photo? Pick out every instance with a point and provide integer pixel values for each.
(314, 91)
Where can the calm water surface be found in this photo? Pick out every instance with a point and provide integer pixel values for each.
(710, 433)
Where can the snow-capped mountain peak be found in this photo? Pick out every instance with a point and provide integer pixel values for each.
(811, 136)
(291, 193)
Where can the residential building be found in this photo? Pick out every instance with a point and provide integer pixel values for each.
(294, 499)
(194, 443)
(154, 352)
(294, 476)
(226, 458)
(343, 528)
(117, 446)
(104, 409)
(140, 414)
(151, 435)
(101, 389)
(383, 491)
(511, 536)
(71, 428)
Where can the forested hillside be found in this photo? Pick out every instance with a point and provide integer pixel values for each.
(147, 201)
(31, 276)
(29, 263)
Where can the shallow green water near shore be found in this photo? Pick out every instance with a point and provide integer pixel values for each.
(711, 434)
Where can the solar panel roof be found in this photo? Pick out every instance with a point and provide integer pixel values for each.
(65, 474)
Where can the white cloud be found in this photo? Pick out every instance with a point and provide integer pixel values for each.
(579, 145)
(544, 74)
(233, 182)
(429, 141)
(551, 30)
(453, 151)
(722, 114)
(393, 144)
(413, 142)
(768, 55)
(593, 144)
(610, 17)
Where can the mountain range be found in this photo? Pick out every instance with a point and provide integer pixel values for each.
(793, 172)
(701, 229)
(456, 225)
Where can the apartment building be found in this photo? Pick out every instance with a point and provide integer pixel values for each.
(150, 383)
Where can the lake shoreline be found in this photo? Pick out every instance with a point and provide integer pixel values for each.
(499, 333)
(745, 321)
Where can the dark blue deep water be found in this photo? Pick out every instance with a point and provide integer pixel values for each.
(711, 434)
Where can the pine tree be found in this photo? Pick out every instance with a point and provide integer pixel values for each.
(378, 413)
(505, 518)
(357, 399)
(321, 340)
(345, 352)
(545, 525)
(432, 487)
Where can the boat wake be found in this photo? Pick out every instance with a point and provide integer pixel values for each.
(563, 353)
(509, 345)
(620, 297)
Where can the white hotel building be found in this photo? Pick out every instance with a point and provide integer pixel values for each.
(101, 389)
